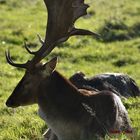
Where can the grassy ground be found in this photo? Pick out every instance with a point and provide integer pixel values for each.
(118, 51)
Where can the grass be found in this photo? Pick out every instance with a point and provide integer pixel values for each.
(117, 51)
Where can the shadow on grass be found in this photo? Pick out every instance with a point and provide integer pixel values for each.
(124, 62)
(116, 30)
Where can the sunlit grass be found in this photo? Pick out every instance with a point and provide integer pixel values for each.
(22, 20)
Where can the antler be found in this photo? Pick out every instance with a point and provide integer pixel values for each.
(9, 60)
(62, 15)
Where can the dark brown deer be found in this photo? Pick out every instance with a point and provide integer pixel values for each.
(122, 84)
(70, 113)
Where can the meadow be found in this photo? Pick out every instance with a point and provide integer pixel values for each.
(117, 21)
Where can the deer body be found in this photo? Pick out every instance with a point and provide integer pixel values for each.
(61, 105)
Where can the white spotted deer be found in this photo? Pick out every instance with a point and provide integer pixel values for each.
(70, 113)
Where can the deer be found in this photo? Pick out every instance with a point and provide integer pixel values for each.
(122, 84)
(70, 113)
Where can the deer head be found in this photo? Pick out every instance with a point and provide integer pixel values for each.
(62, 15)
(26, 91)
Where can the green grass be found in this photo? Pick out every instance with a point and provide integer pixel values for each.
(118, 51)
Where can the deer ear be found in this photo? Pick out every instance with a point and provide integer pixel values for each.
(49, 67)
(52, 63)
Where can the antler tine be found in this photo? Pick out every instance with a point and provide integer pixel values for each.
(10, 61)
(84, 32)
(28, 50)
(40, 39)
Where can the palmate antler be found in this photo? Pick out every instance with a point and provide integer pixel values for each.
(62, 15)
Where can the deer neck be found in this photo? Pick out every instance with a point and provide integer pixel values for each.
(60, 106)
(58, 93)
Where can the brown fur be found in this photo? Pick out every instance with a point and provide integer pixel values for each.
(64, 100)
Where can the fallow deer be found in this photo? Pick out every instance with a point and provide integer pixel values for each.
(80, 113)
(122, 84)
(70, 113)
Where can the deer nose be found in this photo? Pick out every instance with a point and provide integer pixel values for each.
(9, 103)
